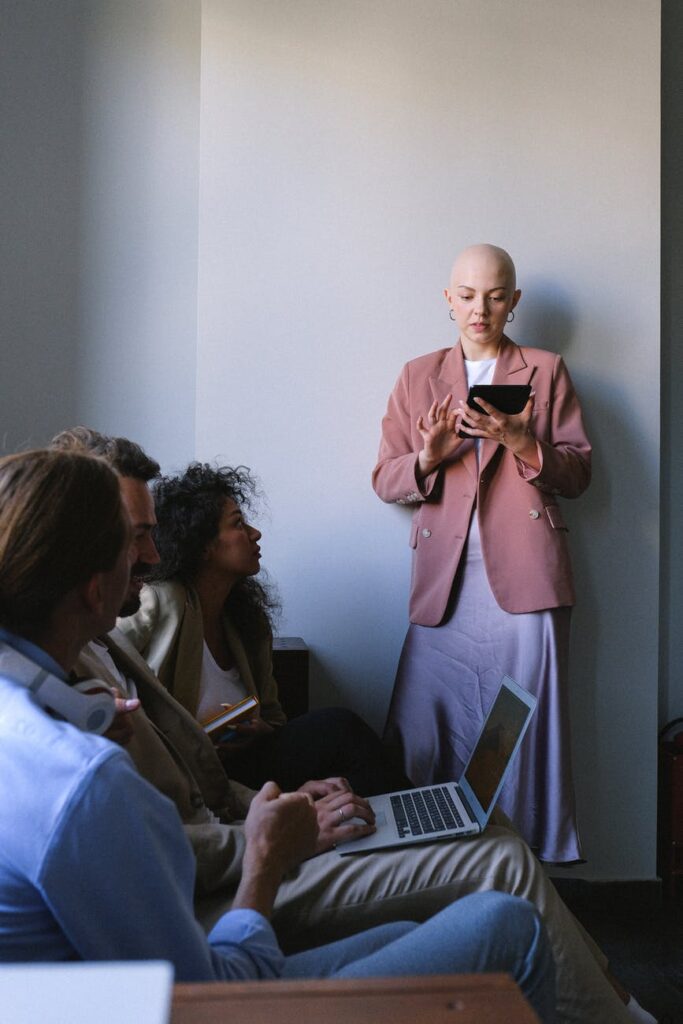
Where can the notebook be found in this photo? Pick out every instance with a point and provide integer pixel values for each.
(122, 992)
(454, 809)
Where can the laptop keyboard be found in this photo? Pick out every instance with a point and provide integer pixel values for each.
(423, 811)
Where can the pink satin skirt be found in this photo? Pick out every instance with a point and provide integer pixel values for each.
(447, 679)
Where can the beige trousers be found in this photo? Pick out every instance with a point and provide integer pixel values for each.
(330, 896)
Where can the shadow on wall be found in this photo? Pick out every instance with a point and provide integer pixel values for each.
(547, 317)
(627, 526)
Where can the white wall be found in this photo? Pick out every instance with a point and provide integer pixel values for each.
(344, 153)
(347, 152)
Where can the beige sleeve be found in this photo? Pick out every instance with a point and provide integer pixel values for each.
(218, 850)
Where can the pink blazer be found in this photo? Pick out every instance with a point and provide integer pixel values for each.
(523, 534)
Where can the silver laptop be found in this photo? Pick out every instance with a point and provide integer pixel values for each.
(455, 809)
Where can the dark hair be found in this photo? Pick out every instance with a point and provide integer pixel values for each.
(188, 510)
(61, 521)
(124, 456)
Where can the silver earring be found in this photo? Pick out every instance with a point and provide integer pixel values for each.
(510, 316)
(450, 314)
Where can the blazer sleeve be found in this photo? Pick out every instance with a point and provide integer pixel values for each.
(271, 709)
(255, 665)
(168, 632)
(219, 851)
(394, 477)
(564, 451)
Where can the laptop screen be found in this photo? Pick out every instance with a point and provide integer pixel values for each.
(505, 725)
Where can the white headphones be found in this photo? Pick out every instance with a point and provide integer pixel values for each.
(90, 712)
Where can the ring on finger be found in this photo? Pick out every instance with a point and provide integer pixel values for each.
(342, 815)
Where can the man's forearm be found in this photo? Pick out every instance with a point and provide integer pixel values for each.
(258, 887)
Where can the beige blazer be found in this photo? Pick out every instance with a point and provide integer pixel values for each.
(523, 534)
(173, 753)
(168, 632)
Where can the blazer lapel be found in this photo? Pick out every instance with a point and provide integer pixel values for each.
(240, 655)
(131, 663)
(129, 660)
(511, 365)
(452, 380)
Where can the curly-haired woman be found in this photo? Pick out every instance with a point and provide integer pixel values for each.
(204, 626)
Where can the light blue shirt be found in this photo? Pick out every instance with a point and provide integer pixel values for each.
(94, 864)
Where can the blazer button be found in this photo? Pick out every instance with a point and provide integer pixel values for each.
(534, 513)
(426, 532)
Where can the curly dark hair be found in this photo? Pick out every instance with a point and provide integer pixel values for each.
(188, 510)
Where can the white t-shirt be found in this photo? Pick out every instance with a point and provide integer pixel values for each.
(217, 686)
(479, 371)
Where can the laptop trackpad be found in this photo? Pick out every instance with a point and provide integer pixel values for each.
(380, 820)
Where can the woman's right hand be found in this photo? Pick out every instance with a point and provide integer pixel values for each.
(439, 433)
(342, 816)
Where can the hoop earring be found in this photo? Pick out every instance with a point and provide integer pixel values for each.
(450, 314)
(510, 317)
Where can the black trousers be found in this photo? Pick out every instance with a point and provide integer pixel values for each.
(319, 745)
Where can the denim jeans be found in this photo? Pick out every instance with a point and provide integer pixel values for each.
(484, 932)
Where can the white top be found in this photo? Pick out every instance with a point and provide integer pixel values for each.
(217, 686)
(479, 371)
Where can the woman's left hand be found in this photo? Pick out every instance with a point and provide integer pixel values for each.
(253, 727)
(513, 432)
(241, 735)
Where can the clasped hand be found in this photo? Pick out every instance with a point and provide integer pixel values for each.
(284, 829)
(281, 829)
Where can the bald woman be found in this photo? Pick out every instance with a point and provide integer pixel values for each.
(492, 585)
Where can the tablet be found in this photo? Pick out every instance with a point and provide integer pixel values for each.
(507, 398)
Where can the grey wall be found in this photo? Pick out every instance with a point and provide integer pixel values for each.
(99, 201)
(40, 125)
(671, 623)
(139, 203)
